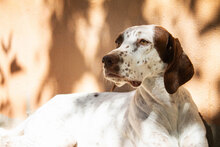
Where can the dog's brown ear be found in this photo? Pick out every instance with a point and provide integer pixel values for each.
(179, 69)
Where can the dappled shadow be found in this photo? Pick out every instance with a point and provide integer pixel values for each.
(190, 4)
(5, 103)
(67, 64)
(213, 24)
(7, 47)
(15, 67)
(66, 61)
(2, 78)
(5, 107)
(209, 26)
(193, 5)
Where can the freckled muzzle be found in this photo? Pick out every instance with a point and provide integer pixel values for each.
(112, 67)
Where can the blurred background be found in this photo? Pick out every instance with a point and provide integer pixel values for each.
(48, 47)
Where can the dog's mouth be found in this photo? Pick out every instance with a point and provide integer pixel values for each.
(134, 83)
(112, 75)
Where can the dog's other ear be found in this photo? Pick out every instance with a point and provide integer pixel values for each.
(179, 69)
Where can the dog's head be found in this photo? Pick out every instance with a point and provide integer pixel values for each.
(147, 51)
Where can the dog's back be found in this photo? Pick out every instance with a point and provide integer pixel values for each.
(67, 118)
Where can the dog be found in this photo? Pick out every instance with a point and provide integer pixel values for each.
(158, 113)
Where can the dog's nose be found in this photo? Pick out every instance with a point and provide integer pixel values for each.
(110, 60)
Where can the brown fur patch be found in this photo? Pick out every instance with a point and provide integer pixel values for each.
(179, 69)
(161, 37)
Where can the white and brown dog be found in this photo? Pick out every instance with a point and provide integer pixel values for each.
(159, 113)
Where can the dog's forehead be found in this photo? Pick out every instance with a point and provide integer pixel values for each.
(145, 31)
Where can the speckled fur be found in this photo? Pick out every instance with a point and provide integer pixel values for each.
(146, 117)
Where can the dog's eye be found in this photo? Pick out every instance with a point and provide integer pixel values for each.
(143, 42)
(119, 40)
(118, 44)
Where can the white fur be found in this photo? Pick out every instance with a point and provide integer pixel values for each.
(148, 116)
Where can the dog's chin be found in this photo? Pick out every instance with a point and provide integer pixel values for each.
(120, 81)
(115, 78)
(112, 75)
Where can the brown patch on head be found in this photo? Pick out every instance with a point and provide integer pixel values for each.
(179, 69)
(161, 40)
(119, 40)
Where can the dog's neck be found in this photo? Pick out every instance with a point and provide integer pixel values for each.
(154, 86)
(152, 96)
